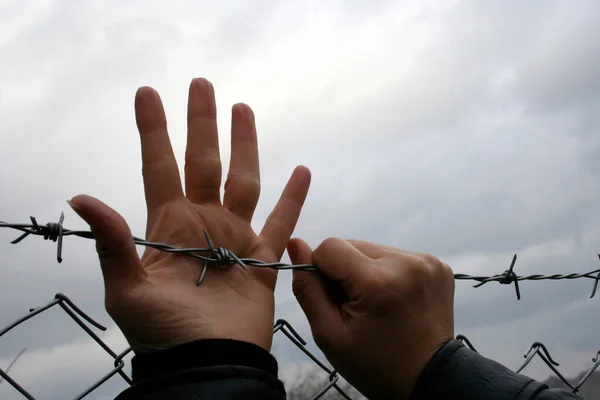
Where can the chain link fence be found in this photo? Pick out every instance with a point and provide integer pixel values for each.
(282, 327)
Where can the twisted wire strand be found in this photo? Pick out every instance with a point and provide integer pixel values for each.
(222, 257)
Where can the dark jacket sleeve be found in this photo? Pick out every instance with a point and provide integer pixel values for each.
(206, 369)
(228, 369)
(456, 373)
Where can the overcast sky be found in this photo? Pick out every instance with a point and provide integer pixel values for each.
(467, 129)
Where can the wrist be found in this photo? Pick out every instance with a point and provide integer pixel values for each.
(400, 380)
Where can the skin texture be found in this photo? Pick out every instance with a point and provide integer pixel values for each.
(154, 300)
(378, 313)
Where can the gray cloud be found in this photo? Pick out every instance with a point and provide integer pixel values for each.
(464, 129)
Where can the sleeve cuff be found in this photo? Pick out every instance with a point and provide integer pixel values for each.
(202, 353)
(456, 372)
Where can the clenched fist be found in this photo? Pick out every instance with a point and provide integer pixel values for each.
(378, 313)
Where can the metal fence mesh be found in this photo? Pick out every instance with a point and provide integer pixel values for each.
(224, 257)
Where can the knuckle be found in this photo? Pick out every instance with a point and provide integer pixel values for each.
(421, 271)
(425, 271)
(112, 249)
(230, 179)
(448, 275)
(416, 270)
(249, 185)
(432, 261)
(447, 270)
(106, 252)
(355, 242)
(328, 245)
(438, 268)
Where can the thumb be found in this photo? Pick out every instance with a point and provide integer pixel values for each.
(311, 292)
(118, 257)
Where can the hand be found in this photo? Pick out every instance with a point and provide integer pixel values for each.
(155, 301)
(378, 313)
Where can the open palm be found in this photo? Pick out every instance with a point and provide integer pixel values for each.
(155, 300)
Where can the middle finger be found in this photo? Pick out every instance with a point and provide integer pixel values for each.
(242, 188)
(202, 158)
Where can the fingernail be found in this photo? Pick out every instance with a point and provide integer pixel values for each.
(75, 208)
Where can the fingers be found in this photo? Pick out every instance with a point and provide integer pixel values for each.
(340, 261)
(371, 250)
(118, 257)
(311, 292)
(376, 251)
(242, 188)
(202, 159)
(159, 168)
(402, 257)
(282, 221)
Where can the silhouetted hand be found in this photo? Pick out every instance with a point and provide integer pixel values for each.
(380, 315)
(155, 301)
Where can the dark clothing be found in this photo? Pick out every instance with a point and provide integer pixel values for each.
(458, 373)
(228, 369)
(206, 369)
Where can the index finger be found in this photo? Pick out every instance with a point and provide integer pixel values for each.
(372, 250)
(282, 221)
(340, 261)
(159, 167)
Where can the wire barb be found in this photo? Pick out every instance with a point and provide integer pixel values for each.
(51, 231)
(506, 278)
(221, 257)
(509, 276)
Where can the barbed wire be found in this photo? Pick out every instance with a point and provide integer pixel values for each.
(509, 276)
(222, 257)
